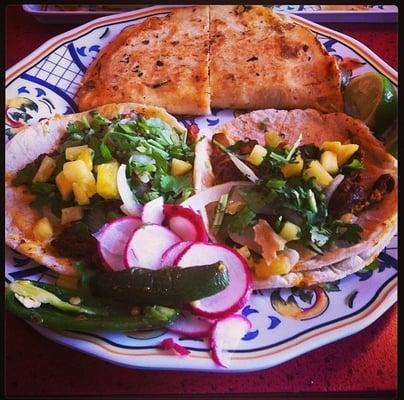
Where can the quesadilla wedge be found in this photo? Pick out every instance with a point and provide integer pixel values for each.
(161, 62)
(68, 175)
(227, 56)
(261, 59)
(322, 199)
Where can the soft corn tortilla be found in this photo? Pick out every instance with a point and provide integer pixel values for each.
(24, 148)
(260, 59)
(161, 62)
(379, 222)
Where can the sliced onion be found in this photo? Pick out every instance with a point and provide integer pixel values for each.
(332, 187)
(244, 168)
(131, 205)
(200, 200)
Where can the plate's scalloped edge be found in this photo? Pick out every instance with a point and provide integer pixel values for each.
(49, 45)
(140, 359)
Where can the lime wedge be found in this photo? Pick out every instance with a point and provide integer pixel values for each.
(372, 98)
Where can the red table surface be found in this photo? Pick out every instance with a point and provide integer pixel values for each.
(34, 365)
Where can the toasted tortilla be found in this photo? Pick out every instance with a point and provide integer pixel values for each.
(379, 222)
(24, 148)
(260, 59)
(161, 62)
(232, 56)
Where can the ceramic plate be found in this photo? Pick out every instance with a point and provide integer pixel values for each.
(285, 323)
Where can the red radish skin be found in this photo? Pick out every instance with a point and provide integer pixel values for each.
(153, 211)
(170, 256)
(112, 240)
(191, 326)
(169, 344)
(229, 300)
(186, 223)
(147, 245)
(226, 334)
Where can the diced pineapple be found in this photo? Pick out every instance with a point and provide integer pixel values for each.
(279, 266)
(42, 230)
(262, 270)
(80, 194)
(106, 180)
(272, 139)
(329, 161)
(91, 188)
(331, 146)
(293, 169)
(87, 156)
(179, 167)
(45, 170)
(257, 155)
(290, 231)
(72, 153)
(71, 214)
(77, 171)
(64, 185)
(316, 170)
(346, 152)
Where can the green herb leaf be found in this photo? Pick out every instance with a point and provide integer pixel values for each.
(25, 175)
(239, 221)
(354, 164)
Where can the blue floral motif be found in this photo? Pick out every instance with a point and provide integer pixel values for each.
(250, 335)
(274, 322)
(328, 45)
(94, 48)
(247, 310)
(81, 51)
(212, 122)
(23, 89)
(40, 92)
(105, 33)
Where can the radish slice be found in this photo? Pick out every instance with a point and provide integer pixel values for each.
(112, 240)
(153, 211)
(169, 344)
(229, 300)
(186, 223)
(170, 256)
(200, 200)
(191, 326)
(131, 205)
(147, 245)
(226, 335)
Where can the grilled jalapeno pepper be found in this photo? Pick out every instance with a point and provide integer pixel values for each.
(170, 287)
(65, 309)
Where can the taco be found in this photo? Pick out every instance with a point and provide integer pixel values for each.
(321, 202)
(68, 175)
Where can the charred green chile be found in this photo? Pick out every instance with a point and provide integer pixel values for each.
(91, 313)
(169, 287)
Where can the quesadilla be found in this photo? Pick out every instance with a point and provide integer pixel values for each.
(68, 175)
(322, 196)
(260, 59)
(245, 57)
(161, 62)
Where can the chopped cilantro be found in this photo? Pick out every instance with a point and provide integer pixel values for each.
(354, 164)
(239, 221)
